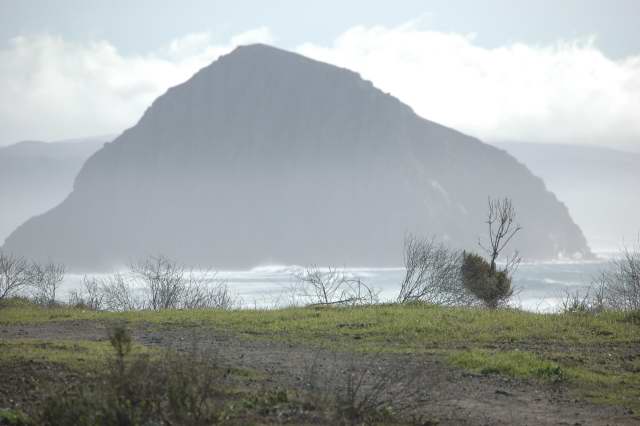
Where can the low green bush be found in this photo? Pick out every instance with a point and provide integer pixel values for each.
(492, 287)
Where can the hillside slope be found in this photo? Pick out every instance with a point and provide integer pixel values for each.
(36, 176)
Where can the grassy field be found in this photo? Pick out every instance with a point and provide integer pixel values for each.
(377, 328)
(596, 355)
(79, 355)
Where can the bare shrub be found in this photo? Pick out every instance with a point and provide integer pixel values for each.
(576, 302)
(158, 283)
(333, 287)
(365, 394)
(14, 275)
(621, 281)
(361, 391)
(119, 294)
(590, 300)
(76, 299)
(90, 296)
(45, 281)
(163, 280)
(615, 288)
(204, 290)
(169, 285)
(432, 274)
(597, 295)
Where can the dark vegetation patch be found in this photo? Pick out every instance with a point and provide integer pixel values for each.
(261, 354)
(124, 383)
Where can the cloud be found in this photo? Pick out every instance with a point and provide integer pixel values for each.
(51, 88)
(566, 92)
(257, 35)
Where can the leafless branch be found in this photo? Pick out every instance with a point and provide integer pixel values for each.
(333, 287)
(502, 229)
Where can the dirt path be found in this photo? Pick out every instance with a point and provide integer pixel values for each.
(438, 392)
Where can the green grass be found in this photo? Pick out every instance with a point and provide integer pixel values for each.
(379, 328)
(605, 377)
(20, 311)
(605, 387)
(81, 355)
(591, 378)
(512, 363)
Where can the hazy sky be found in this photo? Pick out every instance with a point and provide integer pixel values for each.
(541, 71)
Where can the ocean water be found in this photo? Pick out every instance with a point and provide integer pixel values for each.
(539, 286)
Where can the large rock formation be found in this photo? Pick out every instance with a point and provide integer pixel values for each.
(268, 156)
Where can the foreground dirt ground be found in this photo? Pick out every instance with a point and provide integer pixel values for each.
(439, 392)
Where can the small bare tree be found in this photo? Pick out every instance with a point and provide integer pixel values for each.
(481, 277)
(119, 294)
(45, 279)
(203, 289)
(333, 287)
(158, 283)
(432, 274)
(14, 275)
(91, 295)
(502, 229)
(163, 279)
